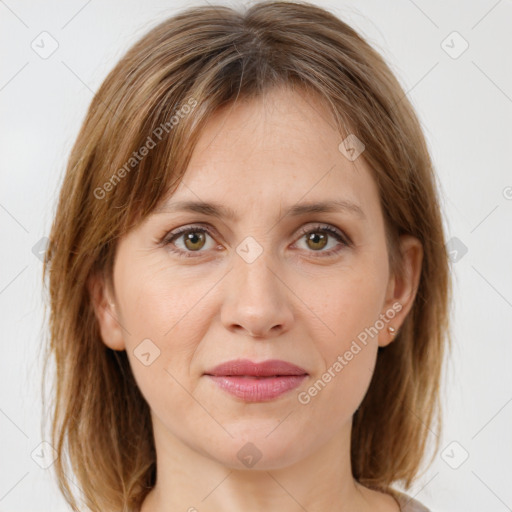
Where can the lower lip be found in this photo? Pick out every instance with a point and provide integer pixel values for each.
(258, 389)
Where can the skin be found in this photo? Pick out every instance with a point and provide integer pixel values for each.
(259, 157)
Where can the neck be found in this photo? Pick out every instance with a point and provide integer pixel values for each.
(192, 481)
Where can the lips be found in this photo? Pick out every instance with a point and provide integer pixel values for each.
(245, 367)
(257, 382)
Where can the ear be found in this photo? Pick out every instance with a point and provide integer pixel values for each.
(105, 312)
(401, 290)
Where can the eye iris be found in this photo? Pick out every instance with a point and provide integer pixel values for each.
(194, 237)
(317, 238)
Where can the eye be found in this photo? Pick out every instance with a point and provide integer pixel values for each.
(187, 241)
(316, 238)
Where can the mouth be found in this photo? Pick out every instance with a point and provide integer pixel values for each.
(257, 382)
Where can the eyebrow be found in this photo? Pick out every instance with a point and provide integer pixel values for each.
(221, 211)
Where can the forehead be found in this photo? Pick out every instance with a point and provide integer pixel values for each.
(281, 148)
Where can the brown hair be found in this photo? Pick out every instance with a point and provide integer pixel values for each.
(207, 57)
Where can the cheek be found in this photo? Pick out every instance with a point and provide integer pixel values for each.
(164, 321)
(348, 361)
(159, 301)
(162, 363)
(333, 397)
(349, 307)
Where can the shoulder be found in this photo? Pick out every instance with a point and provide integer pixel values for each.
(409, 504)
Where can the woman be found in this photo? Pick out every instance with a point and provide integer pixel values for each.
(247, 275)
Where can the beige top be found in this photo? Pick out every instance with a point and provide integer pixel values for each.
(408, 504)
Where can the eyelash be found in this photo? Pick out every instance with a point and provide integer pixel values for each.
(338, 235)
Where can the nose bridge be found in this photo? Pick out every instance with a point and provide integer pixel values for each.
(256, 300)
(252, 267)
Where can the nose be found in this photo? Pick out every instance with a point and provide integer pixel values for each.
(256, 299)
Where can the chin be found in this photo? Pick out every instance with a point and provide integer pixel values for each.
(261, 448)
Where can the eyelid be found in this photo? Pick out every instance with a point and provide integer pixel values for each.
(329, 228)
(203, 227)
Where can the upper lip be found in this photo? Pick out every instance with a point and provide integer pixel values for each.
(269, 368)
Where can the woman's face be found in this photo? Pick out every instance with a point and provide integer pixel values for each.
(265, 283)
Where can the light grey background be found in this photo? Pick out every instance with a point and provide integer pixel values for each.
(465, 106)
